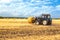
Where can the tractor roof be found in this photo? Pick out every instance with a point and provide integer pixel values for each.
(46, 14)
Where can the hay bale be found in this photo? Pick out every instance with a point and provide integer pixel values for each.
(30, 19)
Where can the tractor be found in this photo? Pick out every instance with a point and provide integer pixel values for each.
(44, 19)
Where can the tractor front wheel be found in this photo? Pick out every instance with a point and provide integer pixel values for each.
(44, 22)
(36, 22)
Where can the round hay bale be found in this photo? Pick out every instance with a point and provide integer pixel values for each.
(30, 19)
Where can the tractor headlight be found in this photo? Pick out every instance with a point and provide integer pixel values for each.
(42, 16)
(48, 16)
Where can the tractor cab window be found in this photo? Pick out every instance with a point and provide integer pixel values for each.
(45, 16)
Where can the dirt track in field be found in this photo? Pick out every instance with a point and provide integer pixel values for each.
(10, 29)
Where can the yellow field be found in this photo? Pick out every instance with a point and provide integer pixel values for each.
(20, 29)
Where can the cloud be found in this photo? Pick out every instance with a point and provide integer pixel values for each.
(27, 7)
(58, 7)
(5, 1)
(56, 12)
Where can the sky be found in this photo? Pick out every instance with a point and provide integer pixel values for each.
(26, 8)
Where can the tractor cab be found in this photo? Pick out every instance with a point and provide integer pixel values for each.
(45, 16)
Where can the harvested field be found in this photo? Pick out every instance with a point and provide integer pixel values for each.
(20, 29)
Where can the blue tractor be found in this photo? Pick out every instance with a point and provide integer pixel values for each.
(44, 19)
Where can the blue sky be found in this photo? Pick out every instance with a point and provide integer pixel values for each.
(26, 8)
